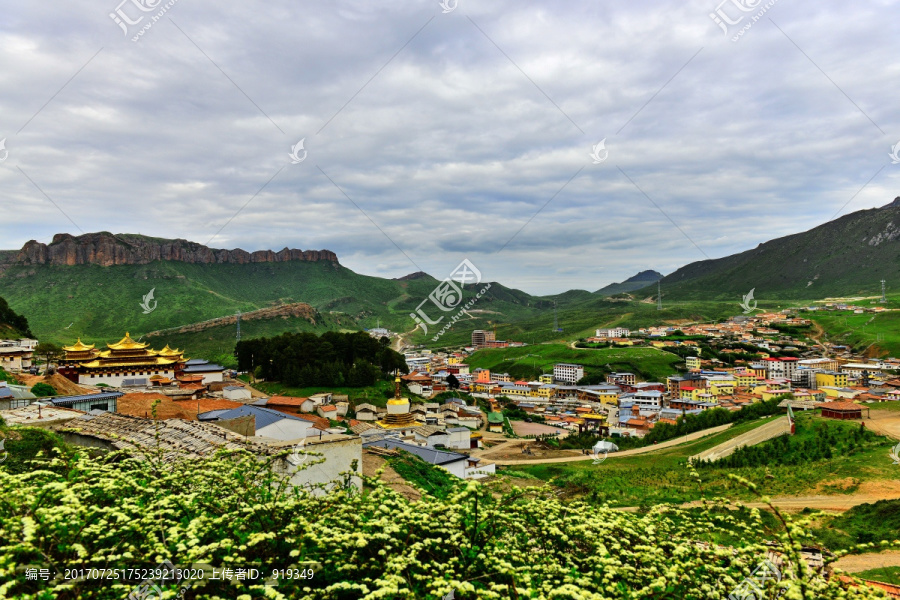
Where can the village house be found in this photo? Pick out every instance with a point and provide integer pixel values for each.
(180, 439)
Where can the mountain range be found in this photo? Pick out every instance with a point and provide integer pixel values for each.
(848, 256)
(98, 285)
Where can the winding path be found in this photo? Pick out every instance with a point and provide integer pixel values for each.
(486, 453)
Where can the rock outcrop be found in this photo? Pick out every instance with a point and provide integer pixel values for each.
(106, 249)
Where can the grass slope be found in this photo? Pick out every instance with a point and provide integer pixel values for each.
(530, 361)
(662, 477)
(847, 256)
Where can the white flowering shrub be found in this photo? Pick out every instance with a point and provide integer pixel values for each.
(232, 511)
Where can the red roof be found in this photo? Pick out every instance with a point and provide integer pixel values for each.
(316, 420)
(327, 408)
(840, 406)
(285, 401)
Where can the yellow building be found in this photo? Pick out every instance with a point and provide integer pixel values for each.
(721, 388)
(831, 378)
(692, 362)
(546, 378)
(746, 379)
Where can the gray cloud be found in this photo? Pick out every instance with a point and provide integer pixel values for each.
(449, 148)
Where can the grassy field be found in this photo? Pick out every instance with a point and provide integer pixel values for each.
(531, 361)
(663, 477)
(884, 575)
(880, 333)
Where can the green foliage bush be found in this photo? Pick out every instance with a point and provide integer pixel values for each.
(8, 377)
(25, 445)
(115, 511)
(42, 390)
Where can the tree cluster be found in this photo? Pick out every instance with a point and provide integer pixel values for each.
(16, 321)
(306, 360)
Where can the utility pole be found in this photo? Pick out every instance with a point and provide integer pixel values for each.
(238, 336)
(658, 296)
(883, 298)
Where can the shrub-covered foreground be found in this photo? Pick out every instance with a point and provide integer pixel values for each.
(230, 511)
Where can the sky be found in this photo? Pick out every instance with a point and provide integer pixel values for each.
(555, 145)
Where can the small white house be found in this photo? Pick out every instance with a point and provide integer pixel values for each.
(459, 438)
(328, 411)
(366, 412)
(236, 392)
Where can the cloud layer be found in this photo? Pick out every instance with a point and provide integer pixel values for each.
(449, 135)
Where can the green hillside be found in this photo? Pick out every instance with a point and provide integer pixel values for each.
(530, 361)
(101, 303)
(847, 256)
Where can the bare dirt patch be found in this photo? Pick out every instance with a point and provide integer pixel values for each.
(371, 464)
(855, 563)
(523, 429)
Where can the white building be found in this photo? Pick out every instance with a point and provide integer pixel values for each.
(567, 372)
(211, 372)
(270, 423)
(14, 357)
(614, 332)
(456, 464)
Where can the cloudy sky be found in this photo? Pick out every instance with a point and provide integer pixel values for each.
(435, 133)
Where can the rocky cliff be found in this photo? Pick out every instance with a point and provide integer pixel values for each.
(106, 249)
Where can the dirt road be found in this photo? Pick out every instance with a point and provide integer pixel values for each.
(855, 563)
(759, 435)
(884, 422)
(493, 454)
(836, 503)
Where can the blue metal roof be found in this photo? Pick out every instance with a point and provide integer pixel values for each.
(203, 368)
(70, 400)
(429, 455)
(264, 416)
(212, 415)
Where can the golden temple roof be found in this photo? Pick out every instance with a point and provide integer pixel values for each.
(150, 361)
(126, 343)
(170, 351)
(78, 347)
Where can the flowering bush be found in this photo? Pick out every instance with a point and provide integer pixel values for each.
(231, 510)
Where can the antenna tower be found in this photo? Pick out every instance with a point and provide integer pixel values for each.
(658, 296)
(883, 298)
(238, 336)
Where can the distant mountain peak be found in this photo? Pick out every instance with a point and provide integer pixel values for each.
(106, 249)
(635, 282)
(648, 275)
(411, 276)
(894, 204)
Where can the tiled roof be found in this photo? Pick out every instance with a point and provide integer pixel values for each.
(175, 437)
(285, 401)
(840, 406)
